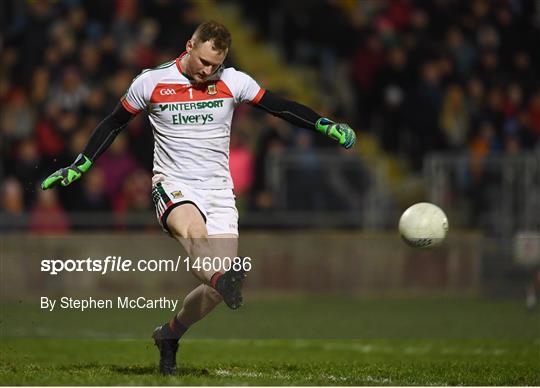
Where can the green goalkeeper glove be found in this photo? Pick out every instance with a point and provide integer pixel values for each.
(342, 133)
(67, 175)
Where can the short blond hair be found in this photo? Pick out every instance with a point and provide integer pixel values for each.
(215, 32)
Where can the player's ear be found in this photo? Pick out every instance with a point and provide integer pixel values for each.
(189, 45)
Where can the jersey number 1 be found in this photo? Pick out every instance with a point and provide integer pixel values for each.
(190, 93)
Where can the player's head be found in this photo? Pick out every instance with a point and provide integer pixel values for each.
(207, 49)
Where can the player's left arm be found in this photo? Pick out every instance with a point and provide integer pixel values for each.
(303, 116)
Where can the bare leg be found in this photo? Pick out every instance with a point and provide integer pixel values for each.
(197, 304)
(187, 226)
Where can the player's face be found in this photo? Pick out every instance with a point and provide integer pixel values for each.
(203, 60)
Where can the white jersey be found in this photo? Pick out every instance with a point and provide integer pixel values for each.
(191, 124)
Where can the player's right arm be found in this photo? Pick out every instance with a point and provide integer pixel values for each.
(99, 141)
(134, 101)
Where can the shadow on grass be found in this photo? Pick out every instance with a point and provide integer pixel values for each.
(125, 370)
(135, 370)
(131, 370)
(152, 370)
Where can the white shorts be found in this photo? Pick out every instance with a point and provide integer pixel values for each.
(217, 207)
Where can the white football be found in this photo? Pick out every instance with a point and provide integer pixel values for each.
(423, 225)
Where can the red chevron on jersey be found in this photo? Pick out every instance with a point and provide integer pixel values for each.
(185, 92)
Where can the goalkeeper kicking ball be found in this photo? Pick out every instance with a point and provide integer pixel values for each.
(423, 225)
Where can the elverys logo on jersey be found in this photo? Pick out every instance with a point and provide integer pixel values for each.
(202, 118)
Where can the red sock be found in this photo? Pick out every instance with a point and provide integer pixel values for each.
(176, 328)
(215, 277)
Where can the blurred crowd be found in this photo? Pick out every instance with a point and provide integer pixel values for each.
(423, 75)
(420, 75)
(64, 67)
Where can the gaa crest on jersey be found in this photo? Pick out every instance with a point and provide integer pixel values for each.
(177, 194)
(212, 89)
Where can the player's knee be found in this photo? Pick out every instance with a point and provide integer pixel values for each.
(194, 238)
(197, 231)
(188, 231)
(185, 222)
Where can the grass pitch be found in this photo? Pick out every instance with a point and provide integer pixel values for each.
(282, 341)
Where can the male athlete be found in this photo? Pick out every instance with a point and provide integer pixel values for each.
(190, 103)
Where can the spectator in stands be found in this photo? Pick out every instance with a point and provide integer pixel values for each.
(461, 50)
(133, 199)
(47, 216)
(454, 118)
(423, 111)
(27, 169)
(302, 182)
(276, 137)
(134, 195)
(39, 87)
(117, 163)
(93, 197)
(71, 92)
(12, 205)
(533, 112)
(17, 118)
(241, 163)
(482, 145)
